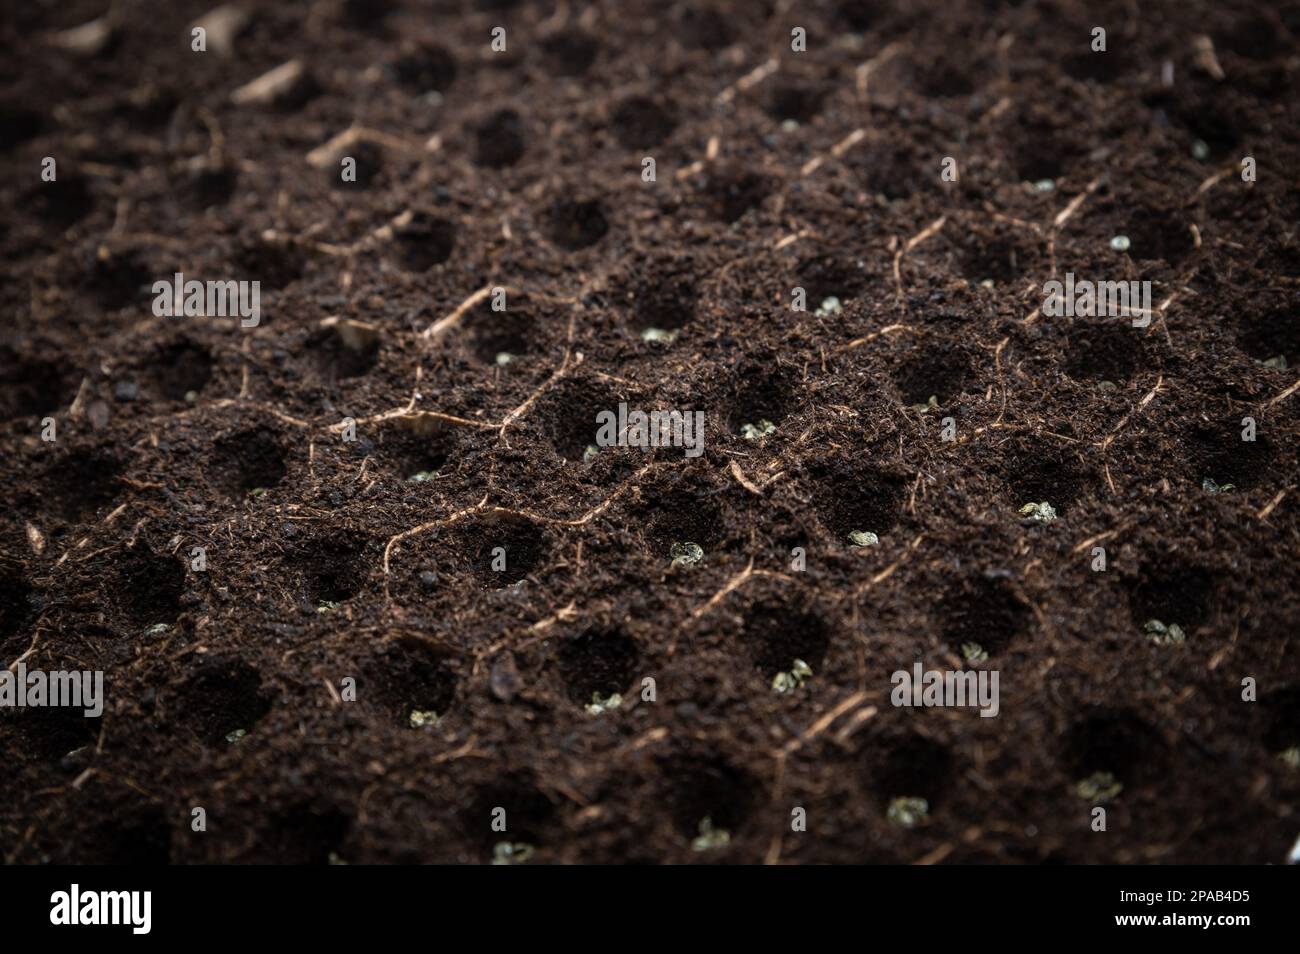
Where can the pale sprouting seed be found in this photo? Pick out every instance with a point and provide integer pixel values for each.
(755, 432)
(860, 539)
(829, 306)
(1210, 487)
(710, 838)
(257, 492)
(324, 606)
(789, 125)
(1277, 361)
(420, 718)
(590, 453)
(1290, 757)
(336, 859)
(156, 629)
(1200, 150)
(908, 811)
(600, 705)
(1107, 387)
(686, 554)
(422, 476)
(1099, 787)
(931, 405)
(1044, 185)
(191, 397)
(511, 853)
(987, 283)
(1043, 512)
(658, 334)
(973, 652)
(233, 737)
(1162, 635)
(1120, 243)
(786, 682)
(504, 357)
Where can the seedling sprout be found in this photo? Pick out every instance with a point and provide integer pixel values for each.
(907, 811)
(599, 705)
(1043, 512)
(156, 629)
(1163, 635)
(590, 453)
(686, 554)
(973, 652)
(324, 606)
(420, 718)
(1210, 487)
(658, 334)
(709, 837)
(1290, 757)
(504, 357)
(511, 853)
(930, 405)
(233, 737)
(1099, 787)
(786, 682)
(754, 432)
(1121, 243)
(829, 306)
(860, 539)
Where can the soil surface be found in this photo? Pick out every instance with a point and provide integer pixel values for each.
(331, 572)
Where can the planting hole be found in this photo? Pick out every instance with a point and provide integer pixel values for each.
(829, 276)
(148, 590)
(1110, 740)
(575, 224)
(500, 140)
(425, 241)
(1272, 335)
(180, 370)
(408, 678)
(730, 192)
(425, 68)
(246, 462)
(1159, 235)
(797, 101)
(640, 122)
(81, 484)
(498, 337)
(32, 386)
(570, 52)
(329, 571)
(986, 613)
(931, 372)
(1172, 593)
(1102, 353)
(599, 662)
(276, 263)
(709, 788)
(523, 543)
(777, 634)
(221, 696)
(912, 767)
(852, 498)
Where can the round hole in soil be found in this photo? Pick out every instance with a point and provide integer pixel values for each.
(330, 570)
(1114, 740)
(425, 68)
(506, 550)
(986, 612)
(681, 515)
(1273, 334)
(419, 446)
(1282, 719)
(1159, 235)
(1102, 353)
(118, 278)
(575, 224)
(180, 369)
(568, 416)
(148, 589)
(761, 393)
(499, 140)
(33, 386)
(334, 359)
(1035, 473)
(17, 126)
(889, 170)
(666, 301)
(365, 168)
(211, 185)
(16, 607)
(569, 52)
(81, 484)
(405, 679)
(142, 837)
(776, 634)
(933, 370)
(640, 122)
(306, 834)
(425, 241)
(729, 192)
(64, 202)
(221, 696)
(996, 260)
(700, 787)
(247, 461)
(512, 332)
(276, 263)
(529, 816)
(794, 100)
(597, 662)
(911, 767)
(1172, 592)
(829, 276)
(51, 732)
(707, 28)
(1217, 452)
(851, 497)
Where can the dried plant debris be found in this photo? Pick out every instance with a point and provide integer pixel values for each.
(1042, 512)
(908, 811)
(1099, 787)
(710, 838)
(686, 554)
(1162, 634)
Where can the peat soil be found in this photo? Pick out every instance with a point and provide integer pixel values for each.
(326, 562)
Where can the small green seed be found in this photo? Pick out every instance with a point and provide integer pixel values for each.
(908, 811)
(686, 554)
(859, 539)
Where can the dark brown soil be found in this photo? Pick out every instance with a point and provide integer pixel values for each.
(775, 169)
